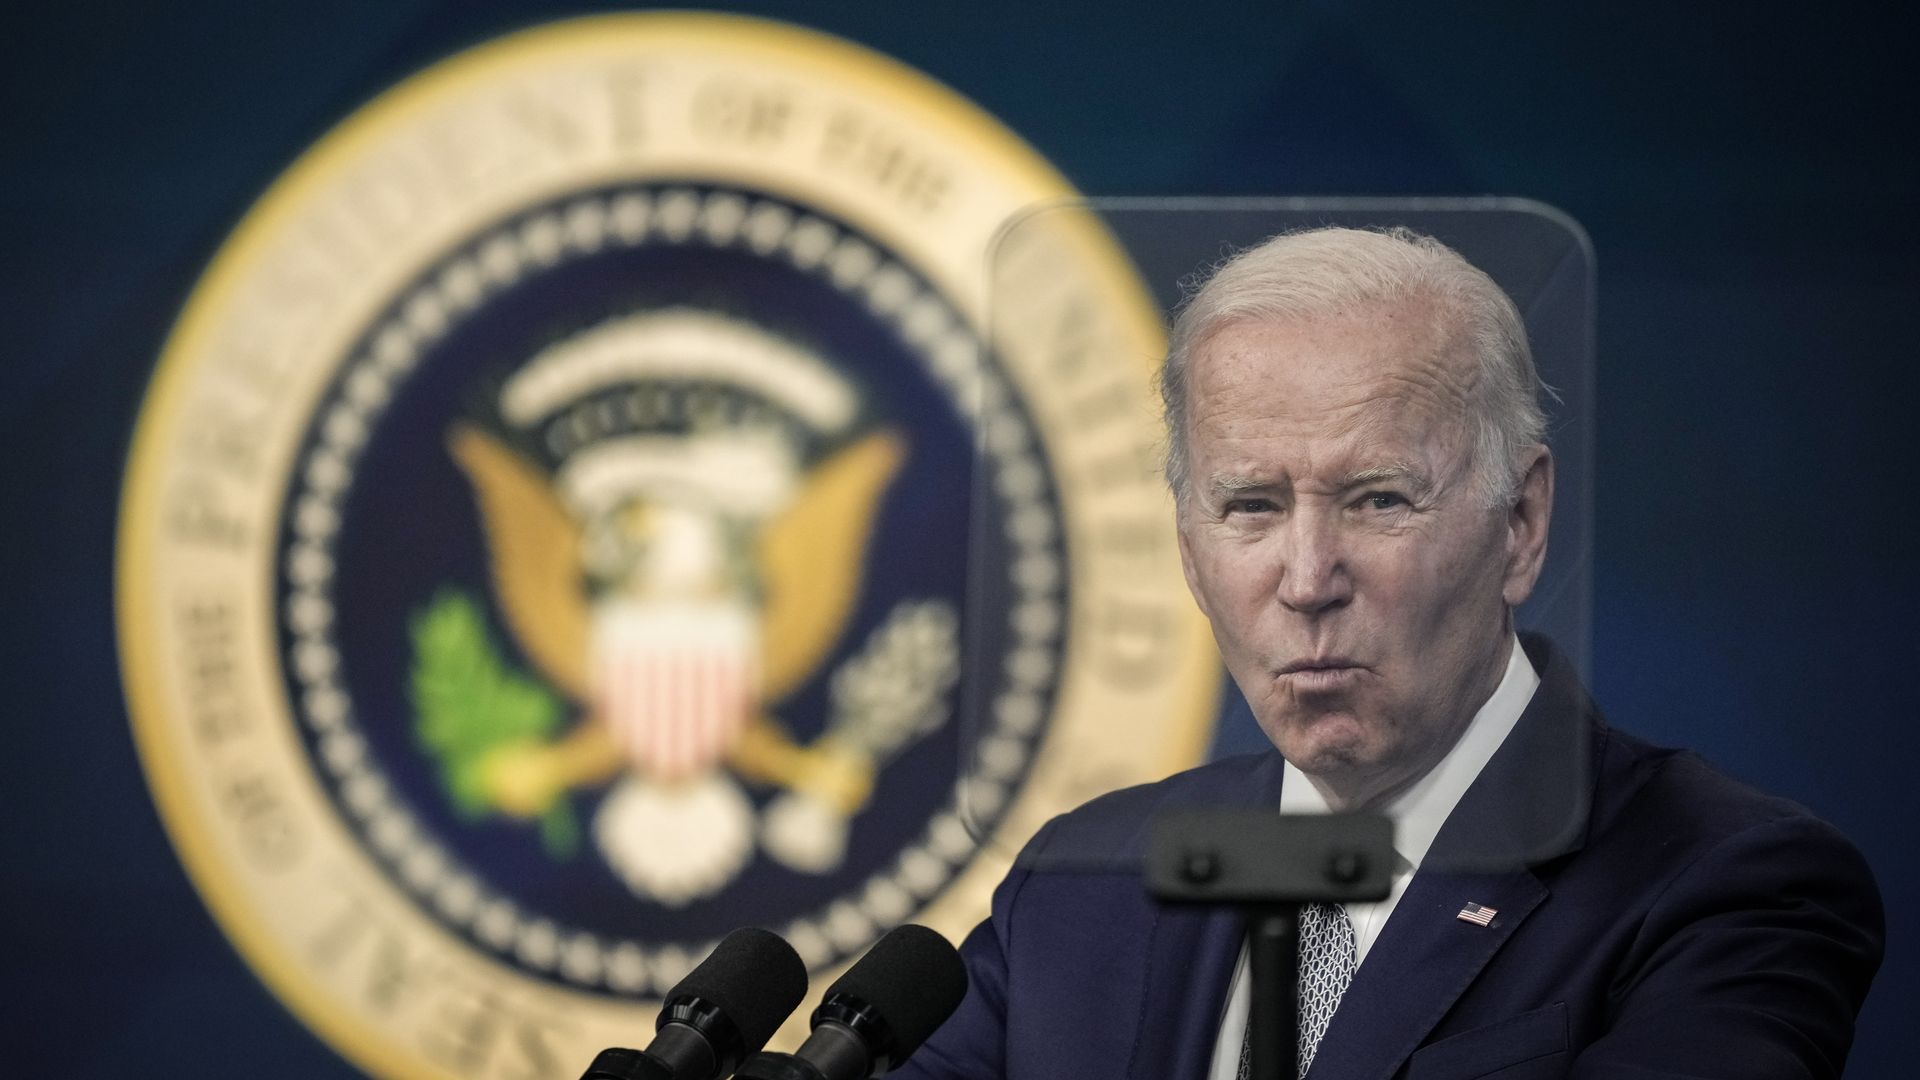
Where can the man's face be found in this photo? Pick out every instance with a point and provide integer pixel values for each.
(1336, 536)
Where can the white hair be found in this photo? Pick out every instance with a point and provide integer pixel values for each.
(1327, 272)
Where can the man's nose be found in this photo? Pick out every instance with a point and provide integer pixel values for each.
(1314, 575)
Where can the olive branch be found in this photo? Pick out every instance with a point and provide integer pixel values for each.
(469, 703)
(895, 690)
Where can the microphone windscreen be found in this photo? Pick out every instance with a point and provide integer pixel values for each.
(754, 977)
(913, 978)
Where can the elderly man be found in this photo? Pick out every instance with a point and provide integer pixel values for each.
(1356, 449)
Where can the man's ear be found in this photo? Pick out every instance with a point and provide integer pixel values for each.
(1527, 522)
(1186, 561)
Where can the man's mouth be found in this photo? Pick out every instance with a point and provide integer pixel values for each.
(1320, 673)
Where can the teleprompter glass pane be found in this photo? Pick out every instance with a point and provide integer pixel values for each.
(1087, 666)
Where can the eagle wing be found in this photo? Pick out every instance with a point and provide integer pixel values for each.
(811, 555)
(535, 547)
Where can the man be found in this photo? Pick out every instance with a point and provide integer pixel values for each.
(1356, 450)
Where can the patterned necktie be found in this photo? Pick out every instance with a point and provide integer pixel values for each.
(1327, 960)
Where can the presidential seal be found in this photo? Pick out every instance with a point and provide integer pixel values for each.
(594, 501)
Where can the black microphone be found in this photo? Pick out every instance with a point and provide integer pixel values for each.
(877, 1014)
(724, 1010)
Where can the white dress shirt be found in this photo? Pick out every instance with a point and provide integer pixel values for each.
(1417, 815)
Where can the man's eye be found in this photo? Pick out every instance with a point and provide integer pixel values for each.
(1382, 500)
(1250, 506)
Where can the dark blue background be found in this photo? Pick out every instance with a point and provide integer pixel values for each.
(1746, 174)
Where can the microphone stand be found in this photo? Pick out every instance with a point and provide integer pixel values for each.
(1273, 1020)
(1267, 865)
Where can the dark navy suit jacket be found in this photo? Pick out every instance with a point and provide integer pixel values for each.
(1655, 919)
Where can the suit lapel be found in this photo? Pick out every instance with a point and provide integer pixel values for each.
(1191, 953)
(1189, 962)
(1530, 804)
(1425, 958)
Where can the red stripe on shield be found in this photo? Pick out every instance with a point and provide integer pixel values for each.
(677, 686)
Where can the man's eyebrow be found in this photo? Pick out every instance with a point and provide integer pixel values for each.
(1400, 472)
(1229, 486)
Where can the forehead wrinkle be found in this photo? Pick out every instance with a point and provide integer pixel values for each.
(1427, 353)
(1436, 386)
(1424, 407)
(1440, 387)
(1336, 448)
(1413, 394)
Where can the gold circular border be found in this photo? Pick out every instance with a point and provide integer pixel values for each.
(986, 142)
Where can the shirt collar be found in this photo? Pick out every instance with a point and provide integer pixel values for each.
(1419, 811)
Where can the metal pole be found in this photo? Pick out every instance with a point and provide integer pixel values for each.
(1273, 952)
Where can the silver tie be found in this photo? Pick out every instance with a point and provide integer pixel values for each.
(1327, 959)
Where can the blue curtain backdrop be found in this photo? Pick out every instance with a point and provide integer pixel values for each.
(1746, 175)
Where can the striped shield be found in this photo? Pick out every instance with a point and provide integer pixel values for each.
(675, 683)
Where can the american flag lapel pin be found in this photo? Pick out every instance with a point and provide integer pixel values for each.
(1477, 914)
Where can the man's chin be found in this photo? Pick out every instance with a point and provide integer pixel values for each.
(1325, 746)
